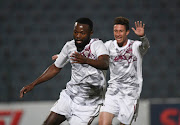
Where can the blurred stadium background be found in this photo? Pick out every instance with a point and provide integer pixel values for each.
(32, 31)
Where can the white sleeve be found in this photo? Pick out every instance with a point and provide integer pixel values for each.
(107, 44)
(141, 47)
(136, 46)
(99, 48)
(62, 59)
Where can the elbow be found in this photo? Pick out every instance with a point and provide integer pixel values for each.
(55, 69)
(106, 66)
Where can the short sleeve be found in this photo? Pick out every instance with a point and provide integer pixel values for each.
(107, 44)
(137, 47)
(62, 59)
(100, 48)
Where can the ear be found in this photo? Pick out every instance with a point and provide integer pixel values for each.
(91, 33)
(127, 32)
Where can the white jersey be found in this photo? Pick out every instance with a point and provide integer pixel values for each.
(126, 68)
(87, 83)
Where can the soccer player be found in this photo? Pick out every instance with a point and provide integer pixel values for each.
(125, 65)
(81, 100)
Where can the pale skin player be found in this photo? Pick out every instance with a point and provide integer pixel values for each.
(121, 36)
(81, 34)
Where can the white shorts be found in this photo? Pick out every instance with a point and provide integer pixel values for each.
(75, 114)
(122, 108)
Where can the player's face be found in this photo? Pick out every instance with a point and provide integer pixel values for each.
(120, 34)
(81, 35)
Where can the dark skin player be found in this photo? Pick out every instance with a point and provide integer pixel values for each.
(81, 34)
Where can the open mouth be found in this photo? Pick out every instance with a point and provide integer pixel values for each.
(78, 41)
(118, 38)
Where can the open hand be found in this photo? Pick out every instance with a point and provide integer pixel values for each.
(139, 28)
(78, 58)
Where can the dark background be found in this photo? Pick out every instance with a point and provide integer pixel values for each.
(32, 31)
(165, 114)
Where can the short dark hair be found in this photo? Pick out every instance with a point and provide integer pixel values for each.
(86, 21)
(122, 21)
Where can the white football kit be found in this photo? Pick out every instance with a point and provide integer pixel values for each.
(85, 91)
(126, 80)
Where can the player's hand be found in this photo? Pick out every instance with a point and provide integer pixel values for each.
(78, 58)
(139, 30)
(54, 57)
(26, 89)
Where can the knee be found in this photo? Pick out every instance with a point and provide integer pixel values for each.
(54, 119)
(44, 123)
(48, 123)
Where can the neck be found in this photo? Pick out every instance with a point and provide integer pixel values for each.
(123, 43)
(81, 47)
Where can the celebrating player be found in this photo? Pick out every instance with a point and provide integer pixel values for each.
(125, 65)
(81, 100)
(125, 84)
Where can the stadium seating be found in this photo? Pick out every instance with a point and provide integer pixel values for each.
(32, 31)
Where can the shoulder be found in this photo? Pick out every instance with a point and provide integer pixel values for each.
(69, 43)
(95, 42)
(98, 47)
(109, 43)
(135, 42)
(68, 46)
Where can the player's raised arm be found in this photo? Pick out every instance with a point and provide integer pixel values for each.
(49, 73)
(141, 33)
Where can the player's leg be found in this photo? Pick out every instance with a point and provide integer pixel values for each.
(109, 110)
(76, 120)
(105, 118)
(54, 119)
(60, 111)
(83, 114)
(127, 109)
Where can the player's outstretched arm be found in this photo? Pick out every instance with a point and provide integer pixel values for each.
(141, 33)
(49, 73)
(101, 63)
